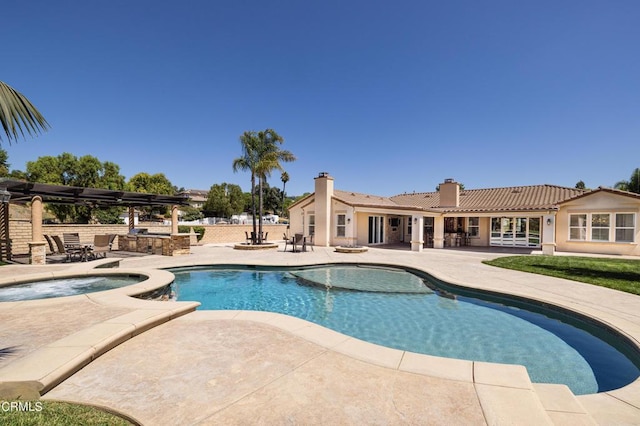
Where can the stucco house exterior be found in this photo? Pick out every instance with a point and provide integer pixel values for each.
(197, 197)
(547, 217)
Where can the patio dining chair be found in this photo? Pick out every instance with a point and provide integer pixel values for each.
(287, 241)
(309, 242)
(71, 240)
(299, 239)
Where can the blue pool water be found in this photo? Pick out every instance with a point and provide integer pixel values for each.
(400, 310)
(64, 287)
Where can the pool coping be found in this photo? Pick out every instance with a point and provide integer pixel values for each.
(78, 349)
(51, 364)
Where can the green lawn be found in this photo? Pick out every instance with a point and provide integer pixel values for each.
(619, 274)
(52, 413)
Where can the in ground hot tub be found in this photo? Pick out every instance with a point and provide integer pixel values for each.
(67, 286)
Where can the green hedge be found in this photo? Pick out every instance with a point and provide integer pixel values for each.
(197, 229)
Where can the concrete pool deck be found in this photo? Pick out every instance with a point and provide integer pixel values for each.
(162, 363)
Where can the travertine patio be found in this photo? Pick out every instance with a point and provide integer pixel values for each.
(162, 363)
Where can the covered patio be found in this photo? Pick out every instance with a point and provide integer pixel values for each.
(36, 194)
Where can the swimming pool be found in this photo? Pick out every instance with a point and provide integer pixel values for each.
(59, 287)
(413, 312)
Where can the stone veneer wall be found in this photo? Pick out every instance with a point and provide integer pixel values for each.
(20, 232)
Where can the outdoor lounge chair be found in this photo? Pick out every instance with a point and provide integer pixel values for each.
(100, 246)
(70, 253)
(112, 237)
(52, 247)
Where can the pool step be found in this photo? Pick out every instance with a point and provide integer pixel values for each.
(40, 371)
(507, 396)
(562, 406)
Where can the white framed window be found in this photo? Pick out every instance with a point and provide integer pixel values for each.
(600, 225)
(625, 227)
(473, 226)
(578, 227)
(312, 224)
(341, 225)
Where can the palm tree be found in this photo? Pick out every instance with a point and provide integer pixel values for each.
(249, 162)
(631, 185)
(284, 177)
(18, 115)
(269, 156)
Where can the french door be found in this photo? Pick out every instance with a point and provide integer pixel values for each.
(515, 231)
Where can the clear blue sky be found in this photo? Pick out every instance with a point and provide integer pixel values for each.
(386, 96)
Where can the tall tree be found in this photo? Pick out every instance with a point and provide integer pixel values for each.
(269, 157)
(248, 162)
(86, 171)
(580, 185)
(272, 199)
(631, 185)
(4, 165)
(18, 115)
(261, 154)
(284, 177)
(224, 200)
(152, 184)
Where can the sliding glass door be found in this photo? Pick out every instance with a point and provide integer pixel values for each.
(376, 229)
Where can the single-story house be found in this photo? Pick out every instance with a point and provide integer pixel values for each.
(548, 217)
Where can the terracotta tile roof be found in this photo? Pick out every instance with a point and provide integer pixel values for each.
(604, 189)
(515, 198)
(365, 200)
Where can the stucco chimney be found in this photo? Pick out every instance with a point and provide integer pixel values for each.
(323, 194)
(449, 193)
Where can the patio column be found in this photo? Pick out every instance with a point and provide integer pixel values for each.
(37, 245)
(132, 217)
(438, 232)
(5, 241)
(174, 220)
(352, 227)
(549, 234)
(417, 232)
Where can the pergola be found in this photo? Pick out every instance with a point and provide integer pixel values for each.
(23, 192)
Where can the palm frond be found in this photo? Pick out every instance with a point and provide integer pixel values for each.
(18, 115)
